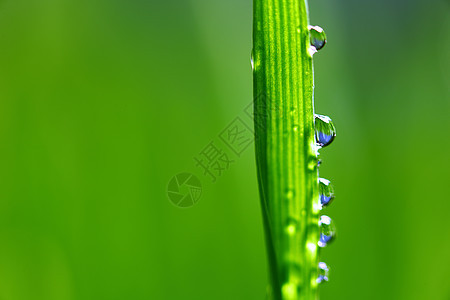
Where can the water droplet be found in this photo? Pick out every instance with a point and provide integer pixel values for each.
(252, 61)
(311, 247)
(326, 191)
(291, 226)
(312, 163)
(323, 272)
(295, 128)
(325, 130)
(319, 162)
(289, 193)
(327, 230)
(318, 38)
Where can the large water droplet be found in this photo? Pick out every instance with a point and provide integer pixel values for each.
(326, 191)
(323, 272)
(325, 130)
(317, 36)
(327, 231)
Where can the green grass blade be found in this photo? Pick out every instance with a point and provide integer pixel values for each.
(285, 146)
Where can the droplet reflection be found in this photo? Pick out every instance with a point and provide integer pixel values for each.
(326, 191)
(318, 38)
(323, 272)
(327, 231)
(325, 131)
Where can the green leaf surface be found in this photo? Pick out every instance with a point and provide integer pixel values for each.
(285, 146)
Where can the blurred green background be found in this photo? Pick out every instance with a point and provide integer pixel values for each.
(102, 102)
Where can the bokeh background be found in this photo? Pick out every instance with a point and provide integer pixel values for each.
(102, 102)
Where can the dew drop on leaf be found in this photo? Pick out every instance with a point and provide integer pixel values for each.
(323, 272)
(317, 36)
(312, 164)
(291, 226)
(325, 130)
(327, 231)
(326, 191)
(290, 194)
